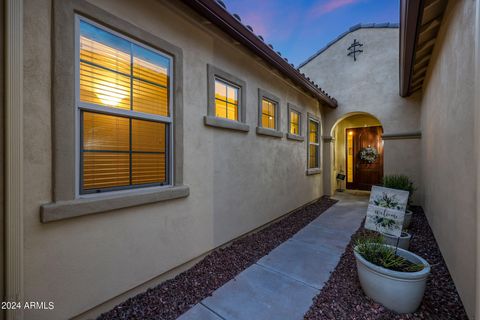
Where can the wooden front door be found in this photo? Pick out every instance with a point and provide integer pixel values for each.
(363, 173)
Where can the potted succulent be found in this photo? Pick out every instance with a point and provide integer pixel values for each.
(402, 242)
(393, 277)
(401, 182)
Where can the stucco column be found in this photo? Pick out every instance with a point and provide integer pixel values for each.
(328, 187)
(14, 155)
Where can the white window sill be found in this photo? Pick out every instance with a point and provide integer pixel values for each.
(84, 206)
(311, 172)
(226, 124)
(269, 132)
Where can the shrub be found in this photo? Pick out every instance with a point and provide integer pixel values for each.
(372, 249)
(400, 182)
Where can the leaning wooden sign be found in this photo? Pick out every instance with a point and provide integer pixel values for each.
(386, 210)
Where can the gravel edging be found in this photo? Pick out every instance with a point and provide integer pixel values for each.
(343, 298)
(173, 297)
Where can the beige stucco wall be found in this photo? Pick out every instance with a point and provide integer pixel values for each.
(448, 146)
(398, 155)
(370, 85)
(237, 181)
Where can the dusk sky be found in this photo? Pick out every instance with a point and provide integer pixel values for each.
(299, 28)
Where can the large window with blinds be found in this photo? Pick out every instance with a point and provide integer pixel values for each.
(123, 110)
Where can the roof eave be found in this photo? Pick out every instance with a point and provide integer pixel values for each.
(410, 19)
(226, 22)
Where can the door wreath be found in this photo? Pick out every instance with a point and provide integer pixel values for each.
(369, 154)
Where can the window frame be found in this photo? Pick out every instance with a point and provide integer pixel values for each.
(296, 137)
(231, 85)
(65, 203)
(316, 170)
(276, 133)
(211, 119)
(274, 113)
(81, 106)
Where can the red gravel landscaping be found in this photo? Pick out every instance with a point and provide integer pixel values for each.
(174, 297)
(343, 298)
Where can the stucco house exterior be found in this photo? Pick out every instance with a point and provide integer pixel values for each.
(428, 129)
(372, 82)
(139, 136)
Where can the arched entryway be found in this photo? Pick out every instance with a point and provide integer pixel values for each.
(357, 154)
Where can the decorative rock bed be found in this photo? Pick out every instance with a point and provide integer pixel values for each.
(343, 298)
(174, 297)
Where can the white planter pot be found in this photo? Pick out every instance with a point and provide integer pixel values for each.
(403, 242)
(408, 219)
(401, 292)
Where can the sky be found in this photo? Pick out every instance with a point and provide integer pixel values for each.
(299, 28)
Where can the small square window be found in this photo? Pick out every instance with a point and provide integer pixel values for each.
(295, 124)
(268, 114)
(226, 100)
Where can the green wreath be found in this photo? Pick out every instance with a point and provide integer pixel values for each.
(369, 154)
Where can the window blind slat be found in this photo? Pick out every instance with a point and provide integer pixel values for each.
(150, 66)
(150, 72)
(113, 172)
(148, 136)
(147, 168)
(149, 98)
(105, 56)
(104, 87)
(105, 132)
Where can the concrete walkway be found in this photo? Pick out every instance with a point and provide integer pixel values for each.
(282, 284)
